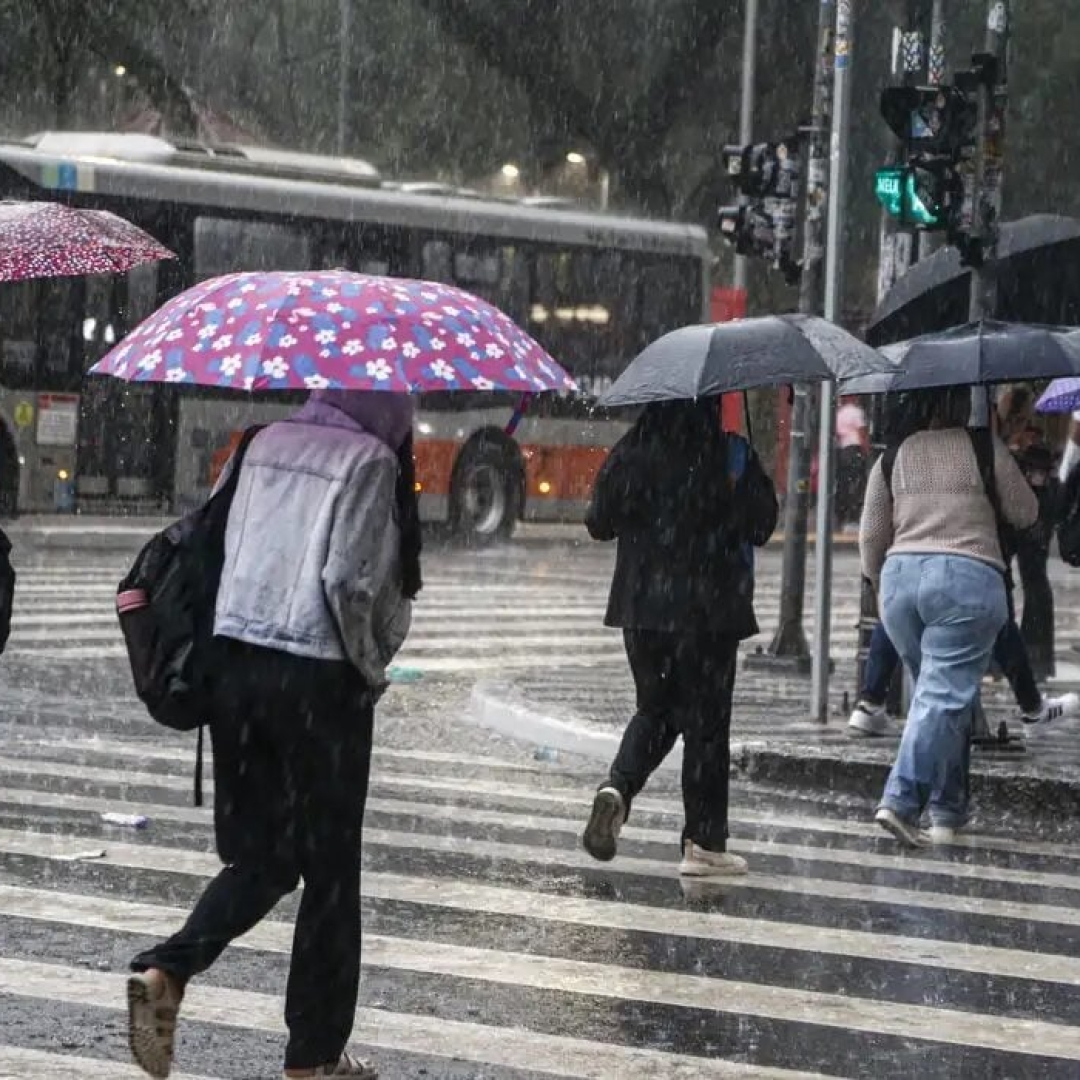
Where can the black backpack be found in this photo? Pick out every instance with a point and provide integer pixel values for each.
(166, 609)
(982, 442)
(1068, 519)
(7, 589)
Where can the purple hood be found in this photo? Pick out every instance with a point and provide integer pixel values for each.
(387, 416)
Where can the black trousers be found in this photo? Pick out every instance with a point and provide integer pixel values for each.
(685, 683)
(292, 752)
(1037, 623)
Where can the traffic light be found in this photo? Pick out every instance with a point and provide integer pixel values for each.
(769, 176)
(937, 126)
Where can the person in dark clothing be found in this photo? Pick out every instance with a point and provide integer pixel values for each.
(322, 559)
(686, 504)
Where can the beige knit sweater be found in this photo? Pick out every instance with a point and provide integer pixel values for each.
(938, 503)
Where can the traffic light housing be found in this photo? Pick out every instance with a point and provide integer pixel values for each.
(769, 177)
(933, 120)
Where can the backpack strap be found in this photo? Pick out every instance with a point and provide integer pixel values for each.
(888, 460)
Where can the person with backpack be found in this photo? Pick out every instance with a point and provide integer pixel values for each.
(321, 560)
(687, 504)
(930, 542)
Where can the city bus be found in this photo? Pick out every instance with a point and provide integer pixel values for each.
(592, 287)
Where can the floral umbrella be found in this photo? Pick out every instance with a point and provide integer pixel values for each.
(307, 331)
(44, 239)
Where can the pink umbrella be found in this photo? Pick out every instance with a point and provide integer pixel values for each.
(308, 331)
(43, 239)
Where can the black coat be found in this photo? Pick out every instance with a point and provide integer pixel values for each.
(685, 534)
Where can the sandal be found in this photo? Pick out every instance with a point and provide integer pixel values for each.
(347, 1065)
(153, 1008)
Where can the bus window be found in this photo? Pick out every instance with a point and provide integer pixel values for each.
(228, 245)
(670, 296)
(364, 250)
(436, 261)
(39, 344)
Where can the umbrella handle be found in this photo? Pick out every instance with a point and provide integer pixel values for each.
(518, 414)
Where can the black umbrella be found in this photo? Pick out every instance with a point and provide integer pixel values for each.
(1038, 262)
(721, 358)
(977, 354)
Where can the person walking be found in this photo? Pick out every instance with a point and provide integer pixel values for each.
(322, 556)
(1016, 413)
(686, 503)
(929, 542)
(853, 449)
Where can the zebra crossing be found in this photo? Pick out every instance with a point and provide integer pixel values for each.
(501, 610)
(495, 948)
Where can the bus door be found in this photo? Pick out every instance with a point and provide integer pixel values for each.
(119, 422)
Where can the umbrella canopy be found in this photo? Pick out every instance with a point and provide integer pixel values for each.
(310, 331)
(43, 239)
(976, 354)
(937, 287)
(719, 358)
(1061, 396)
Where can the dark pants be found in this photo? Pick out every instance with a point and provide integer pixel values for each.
(1009, 654)
(850, 483)
(292, 750)
(1037, 624)
(684, 687)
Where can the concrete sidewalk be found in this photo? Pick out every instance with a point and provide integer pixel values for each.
(583, 710)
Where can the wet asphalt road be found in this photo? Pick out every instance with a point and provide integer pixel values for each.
(493, 947)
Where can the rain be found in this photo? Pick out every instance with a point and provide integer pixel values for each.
(539, 539)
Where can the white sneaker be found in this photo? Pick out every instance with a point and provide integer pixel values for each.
(1055, 708)
(909, 835)
(943, 834)
(699, 862)
(601, 835)
(868, 720)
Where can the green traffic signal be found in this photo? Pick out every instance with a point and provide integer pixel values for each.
(899, 192)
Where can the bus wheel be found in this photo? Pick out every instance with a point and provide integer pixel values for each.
(485, 499)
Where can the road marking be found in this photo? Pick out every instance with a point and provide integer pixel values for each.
(18, 1063)
(404, 1032)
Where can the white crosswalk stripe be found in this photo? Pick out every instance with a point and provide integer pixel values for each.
(475, 615)
(494, 947)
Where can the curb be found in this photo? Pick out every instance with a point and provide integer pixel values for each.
(1001, 796)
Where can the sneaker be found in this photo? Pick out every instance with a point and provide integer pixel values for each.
(699, 862)
(601, 835)
(153, 1009)
(1055, 708)
(909, 835)
(347, 1065)
(945, 834)
(868, 720)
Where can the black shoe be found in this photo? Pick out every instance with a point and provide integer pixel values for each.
(605, 821)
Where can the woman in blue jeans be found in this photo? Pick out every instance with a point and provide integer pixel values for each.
(929, 542)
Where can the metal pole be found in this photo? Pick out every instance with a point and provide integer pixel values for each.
(834, 290)
(930, 242)
(986, 204)
(898, 250)
(789, 643)
(344, 49)
(746, 108)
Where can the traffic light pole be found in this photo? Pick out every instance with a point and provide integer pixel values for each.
(986, 208)
(746, 109)
(789, 643)
(834, 281)
(897, 251)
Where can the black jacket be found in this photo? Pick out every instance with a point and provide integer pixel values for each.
(685, 531)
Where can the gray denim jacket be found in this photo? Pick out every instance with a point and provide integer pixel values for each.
(311, 549)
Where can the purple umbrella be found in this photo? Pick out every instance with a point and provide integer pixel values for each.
(1062, 395)
(311, 331)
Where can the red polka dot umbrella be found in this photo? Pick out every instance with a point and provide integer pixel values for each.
(43, 239)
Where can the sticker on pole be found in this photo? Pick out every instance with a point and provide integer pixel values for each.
(998, 19)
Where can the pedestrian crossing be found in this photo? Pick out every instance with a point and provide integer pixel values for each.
(480, 612)
(494, 947)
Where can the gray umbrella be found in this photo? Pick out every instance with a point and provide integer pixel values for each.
(719, 358)
(924, 285)
(976, 354)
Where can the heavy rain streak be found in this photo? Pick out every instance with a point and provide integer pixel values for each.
(539, 538)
